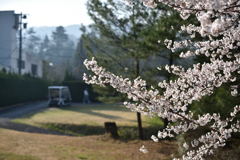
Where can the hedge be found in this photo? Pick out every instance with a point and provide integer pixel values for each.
(16, 89)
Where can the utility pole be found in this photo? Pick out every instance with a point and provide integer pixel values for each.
(21, 26)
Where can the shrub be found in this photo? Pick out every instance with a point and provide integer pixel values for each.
(16, 89)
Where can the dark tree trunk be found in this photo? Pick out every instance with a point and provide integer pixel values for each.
(170, 62)
(111, 128)
(139, 120)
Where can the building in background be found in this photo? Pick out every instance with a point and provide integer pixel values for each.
(8, 40)
(9, 48)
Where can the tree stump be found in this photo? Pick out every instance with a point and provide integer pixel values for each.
(111, 128)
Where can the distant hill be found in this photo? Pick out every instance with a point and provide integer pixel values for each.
(72, 30)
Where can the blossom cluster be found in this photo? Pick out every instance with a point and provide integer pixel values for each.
(219, 25)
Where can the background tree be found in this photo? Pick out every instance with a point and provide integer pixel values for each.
(32, 43)
(44, 47)
(57, 53)
(62, 48)
(80, 55)
(120, 26)
(126, 39)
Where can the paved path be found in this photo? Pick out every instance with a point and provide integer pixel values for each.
(22, 109)
(9, 113)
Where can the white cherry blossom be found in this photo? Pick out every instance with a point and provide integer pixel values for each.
(220, 27)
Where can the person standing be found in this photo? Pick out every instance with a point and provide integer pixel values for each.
(86, 96)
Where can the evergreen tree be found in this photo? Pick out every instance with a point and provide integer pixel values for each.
(126, 38)
(44, 47)
(60, 37)
(77, 62)
(32, 42)
(57, 51)
(120, 26)
(62, 48)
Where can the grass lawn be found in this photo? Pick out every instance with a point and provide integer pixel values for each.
(83, 114)
(87, 122)
(12, 156)
(90, 142)
(30, 146)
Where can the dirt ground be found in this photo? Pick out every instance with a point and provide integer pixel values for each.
(56, 147)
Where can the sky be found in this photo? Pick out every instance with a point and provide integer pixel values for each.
(49, 12)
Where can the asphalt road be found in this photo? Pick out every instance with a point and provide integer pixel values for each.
(22, 109)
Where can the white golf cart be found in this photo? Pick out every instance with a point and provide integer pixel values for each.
(59, 96)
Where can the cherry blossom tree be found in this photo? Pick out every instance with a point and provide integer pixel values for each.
(219, 25)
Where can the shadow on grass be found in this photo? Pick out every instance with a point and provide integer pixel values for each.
(92, 109)
(6, 124)
(125, 132)
(103, 115)
(98, 106)
(73, 129)
(131, 133)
